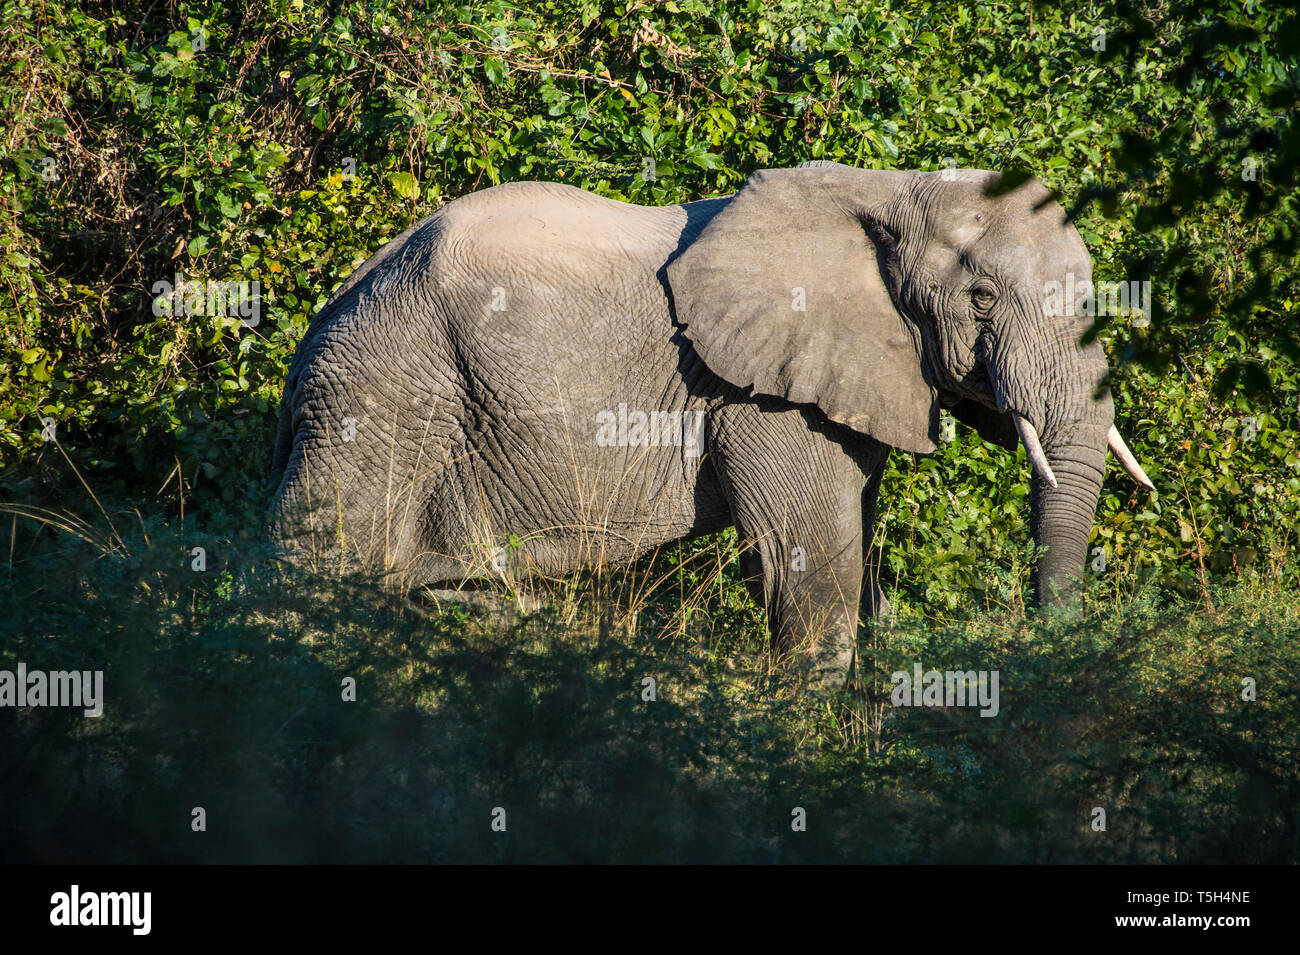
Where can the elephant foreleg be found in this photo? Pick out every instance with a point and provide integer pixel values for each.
(795, 493)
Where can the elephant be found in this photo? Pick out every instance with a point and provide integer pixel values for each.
(538, 380)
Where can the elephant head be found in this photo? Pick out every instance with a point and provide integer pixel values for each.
(882, 296)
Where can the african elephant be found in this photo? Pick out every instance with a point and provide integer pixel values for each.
(539, 379)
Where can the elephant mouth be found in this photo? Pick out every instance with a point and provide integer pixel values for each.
(977, 385)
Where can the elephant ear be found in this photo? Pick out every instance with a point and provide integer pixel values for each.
(783, 291)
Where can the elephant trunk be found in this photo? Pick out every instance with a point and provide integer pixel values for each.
(1049, 385)
(1061, 516)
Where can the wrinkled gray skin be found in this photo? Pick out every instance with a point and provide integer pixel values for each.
(474, 353)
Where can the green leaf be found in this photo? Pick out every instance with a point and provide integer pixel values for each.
(405, 185)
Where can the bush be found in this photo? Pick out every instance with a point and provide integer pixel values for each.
(226, 692)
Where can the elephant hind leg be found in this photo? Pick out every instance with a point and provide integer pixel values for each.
(795, 490)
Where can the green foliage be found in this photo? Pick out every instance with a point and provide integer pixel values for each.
(283, 145)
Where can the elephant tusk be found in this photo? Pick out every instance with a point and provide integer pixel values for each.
(1126, 458)
(1029, 437)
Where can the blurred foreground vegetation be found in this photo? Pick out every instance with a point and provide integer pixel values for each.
(225, 691)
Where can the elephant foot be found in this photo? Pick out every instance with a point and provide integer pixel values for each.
(832, 661)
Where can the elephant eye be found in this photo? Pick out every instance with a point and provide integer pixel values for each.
(983, 295)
